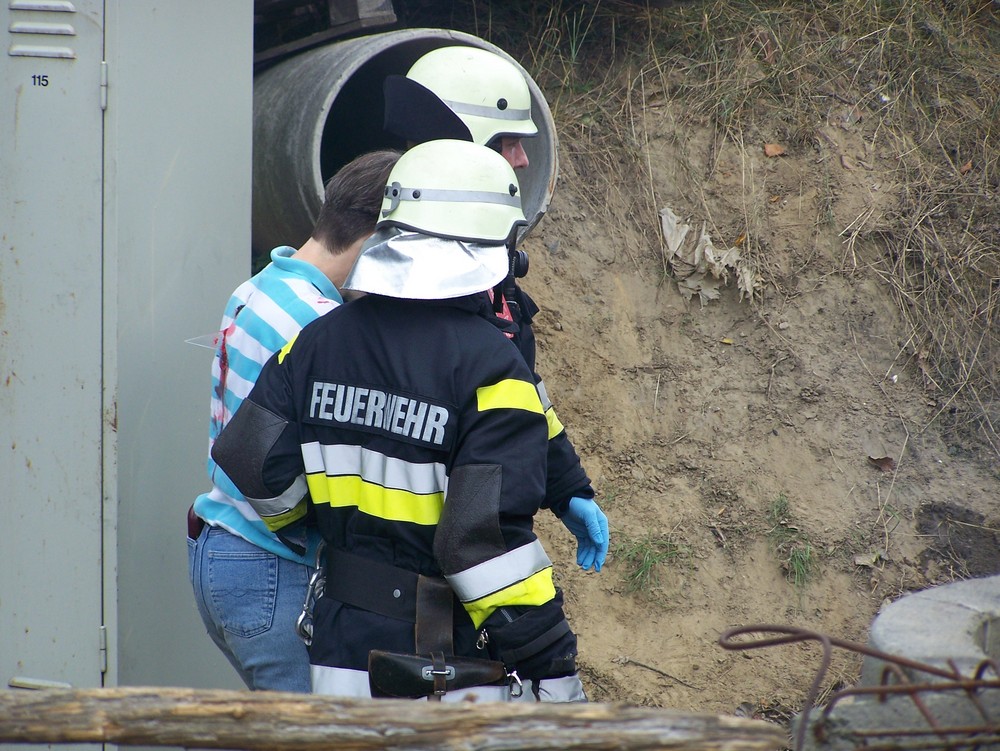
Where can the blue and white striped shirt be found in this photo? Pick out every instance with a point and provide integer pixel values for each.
(263, 314)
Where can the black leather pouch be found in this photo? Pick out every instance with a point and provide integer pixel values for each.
(401, 676)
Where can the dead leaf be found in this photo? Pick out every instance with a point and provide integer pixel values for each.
(726, 340)
(870, 560)
(884, 463)
(698, 266)
(675, 231)
(966, 168)
(852, 116)
(748, 281)
(773, 149)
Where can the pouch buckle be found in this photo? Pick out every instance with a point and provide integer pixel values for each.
(429, 671)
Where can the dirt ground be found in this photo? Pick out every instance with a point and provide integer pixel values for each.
(728, 434)
(783, 457)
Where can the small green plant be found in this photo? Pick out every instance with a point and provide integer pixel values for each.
(790, 544)
(641, 558)
(799, 565)
(777, 512)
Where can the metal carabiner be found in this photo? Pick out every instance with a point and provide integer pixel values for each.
(482, 640)
(515, 686)
(317, 583)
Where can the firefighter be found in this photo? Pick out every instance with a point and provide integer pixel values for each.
(465, 93)
(415, 431)
(473, 94)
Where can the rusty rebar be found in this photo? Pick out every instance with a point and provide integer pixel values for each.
(951, 679)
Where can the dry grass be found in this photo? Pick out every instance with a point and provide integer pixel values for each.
(925, 75)
(928, 75)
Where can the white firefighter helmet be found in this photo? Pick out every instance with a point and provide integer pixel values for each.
(450, 207)
(488, 94)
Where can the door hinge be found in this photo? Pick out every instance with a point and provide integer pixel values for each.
(104, 85)
(102, 648)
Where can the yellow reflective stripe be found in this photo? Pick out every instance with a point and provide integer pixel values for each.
(375, 500)
(292, 515)
(276, 512)
(537, 589)
(509, 394)
(495, 574)
(287, 348)
(555, 427)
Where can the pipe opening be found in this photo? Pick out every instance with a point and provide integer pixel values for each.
(343, 139)
(316, 111)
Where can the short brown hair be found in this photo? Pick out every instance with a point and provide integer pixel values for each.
(353, 200)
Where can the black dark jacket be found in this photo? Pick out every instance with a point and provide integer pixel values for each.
(387, 407)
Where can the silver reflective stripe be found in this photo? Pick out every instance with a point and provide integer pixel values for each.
(374, 467)
(339, 682)
(565, 689)
(495, 574)
(460, 196)
(482, 110)
(354, 683)
(283, 503)
(396, 193)
(543, 395)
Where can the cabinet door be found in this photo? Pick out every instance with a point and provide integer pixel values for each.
(50, 342)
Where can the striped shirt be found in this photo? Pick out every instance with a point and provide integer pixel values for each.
(263, 314)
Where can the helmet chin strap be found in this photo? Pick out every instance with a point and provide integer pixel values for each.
(517, 267)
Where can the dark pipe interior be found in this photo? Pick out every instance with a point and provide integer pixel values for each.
(346, 134)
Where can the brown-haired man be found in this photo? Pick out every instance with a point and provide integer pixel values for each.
(249, 584)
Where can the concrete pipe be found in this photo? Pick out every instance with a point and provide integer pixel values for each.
(316, 111)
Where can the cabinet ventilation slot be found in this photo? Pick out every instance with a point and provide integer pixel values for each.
(28, 34)
(55, 6)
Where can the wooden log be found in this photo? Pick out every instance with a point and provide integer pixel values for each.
(278, 721)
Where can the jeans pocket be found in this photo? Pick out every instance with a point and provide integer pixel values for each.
(244, 589)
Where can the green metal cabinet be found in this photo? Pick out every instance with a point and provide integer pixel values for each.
(125, 170)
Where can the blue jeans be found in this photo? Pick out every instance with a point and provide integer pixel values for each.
(249, 600)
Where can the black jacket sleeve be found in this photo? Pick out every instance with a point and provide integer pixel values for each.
(566, 477)
(259, 450)
(484, 542)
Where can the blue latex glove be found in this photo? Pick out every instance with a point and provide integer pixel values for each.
(589, 525)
